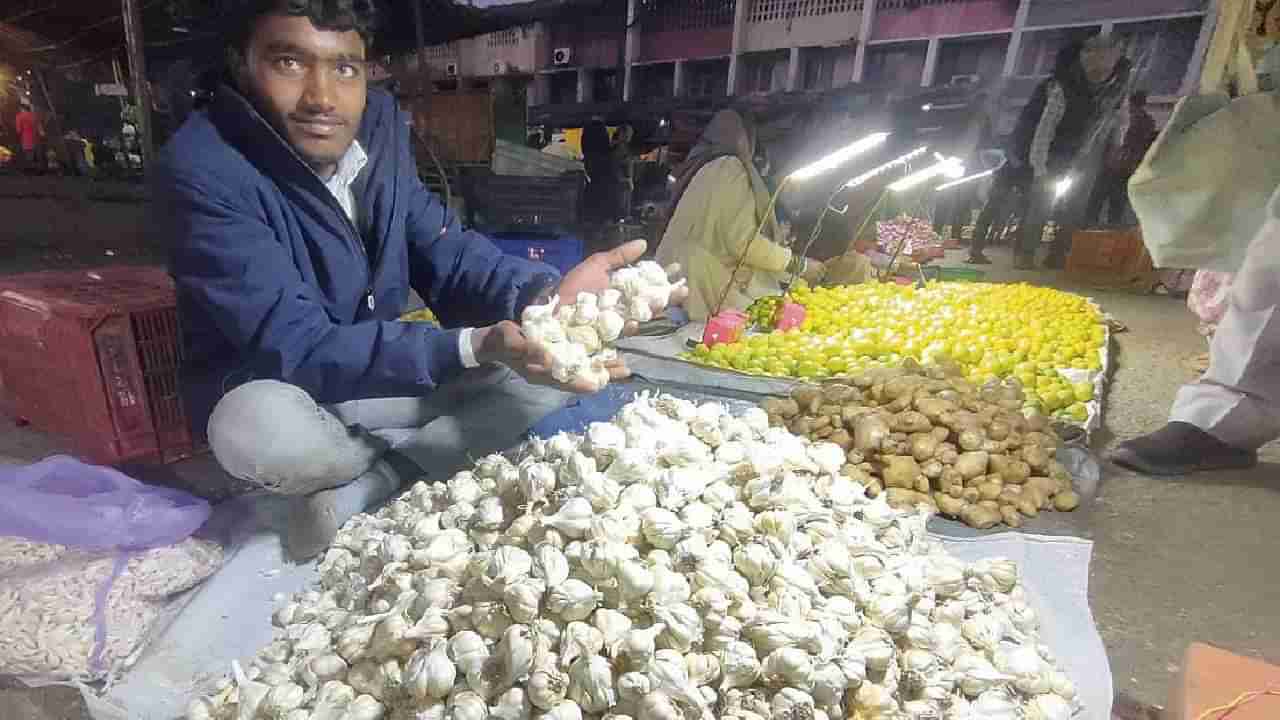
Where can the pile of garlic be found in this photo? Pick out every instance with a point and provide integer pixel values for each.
(678, 562)
(578, 336)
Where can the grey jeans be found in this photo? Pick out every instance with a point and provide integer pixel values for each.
(274, 435)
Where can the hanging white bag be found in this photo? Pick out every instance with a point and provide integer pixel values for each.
(1201, 192)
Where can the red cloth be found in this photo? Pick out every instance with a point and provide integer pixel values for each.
(1125, 157)
(28, 128)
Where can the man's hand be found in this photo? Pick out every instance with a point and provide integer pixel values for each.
(592, 275)
(506, 343)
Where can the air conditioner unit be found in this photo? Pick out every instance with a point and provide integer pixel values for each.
(451, 69)
(500, 67)
(562, 56)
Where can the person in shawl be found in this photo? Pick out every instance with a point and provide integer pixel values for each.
(721, 229)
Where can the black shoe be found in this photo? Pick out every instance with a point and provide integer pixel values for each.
(978, 259)
(1179, 449)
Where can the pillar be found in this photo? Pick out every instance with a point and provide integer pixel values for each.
(138, 75)
(584, 85)
(677, 79)
(1015, 38)
(865, 22)
(735, 55)
(930, 62)
(1191, 81)
(629, 53)
(793, 70)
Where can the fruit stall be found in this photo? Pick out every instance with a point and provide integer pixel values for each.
(1049, 346)
(656, 551)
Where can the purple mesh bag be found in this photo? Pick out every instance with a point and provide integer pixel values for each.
(63, 501)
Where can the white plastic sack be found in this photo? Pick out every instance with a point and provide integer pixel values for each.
(1202, 189)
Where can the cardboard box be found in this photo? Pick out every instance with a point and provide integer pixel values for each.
(1212, 677)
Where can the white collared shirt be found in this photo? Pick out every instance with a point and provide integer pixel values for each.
(349, 167)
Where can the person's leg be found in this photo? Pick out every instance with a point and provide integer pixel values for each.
(1219, 421)
(1238, 399)
(1031, 228)
(1118, 200)
(1097, 198)
(961, 211)
(488, 413)
(992, 212)
(273, 435)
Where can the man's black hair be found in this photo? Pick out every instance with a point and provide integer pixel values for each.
(336, 15)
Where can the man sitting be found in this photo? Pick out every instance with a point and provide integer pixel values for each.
(298, 225)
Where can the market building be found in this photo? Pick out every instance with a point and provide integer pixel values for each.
(720, 47)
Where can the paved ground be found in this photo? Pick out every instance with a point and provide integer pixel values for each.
(1173, 561)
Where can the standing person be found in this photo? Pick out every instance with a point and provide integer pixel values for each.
(602, 180)
(1051, 134)
(972, 133)
(297, 225)
(27, 125)
(1129, 145)
(624, 169)
(1220, 421)
(719, 203)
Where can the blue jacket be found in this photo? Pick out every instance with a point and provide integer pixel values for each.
(274, 281)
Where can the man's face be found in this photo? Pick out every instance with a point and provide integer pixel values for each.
(310, 84)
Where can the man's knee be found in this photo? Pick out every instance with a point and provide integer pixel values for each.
(266, 431)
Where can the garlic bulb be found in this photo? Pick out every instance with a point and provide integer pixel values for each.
(683, 626)
(523, 599)
(739, 666)
(637, 647)
(1030, 674)
(564, 710)
(977, 675)
(467, 705)
(675, 563)
(577, 640)
(512, 705)
(996, 574)
(430, 673)
(611, 624)
(573, 600)
(661, 527)
(703, 669)
(792, 703)
(468, 651)
(547, 687)
(591, 684)
(1047, 707)
(576, 336)
(788, 667)
(573, 518)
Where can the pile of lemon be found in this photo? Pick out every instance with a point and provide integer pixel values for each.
(990, 330)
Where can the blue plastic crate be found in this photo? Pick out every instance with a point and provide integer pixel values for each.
(561, 252)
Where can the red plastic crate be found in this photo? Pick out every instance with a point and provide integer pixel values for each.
(94, 355)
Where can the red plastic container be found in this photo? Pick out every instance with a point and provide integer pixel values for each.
(791, 315)
(725, 327)
(94, 355)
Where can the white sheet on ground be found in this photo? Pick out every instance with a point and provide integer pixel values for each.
(229, 616)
